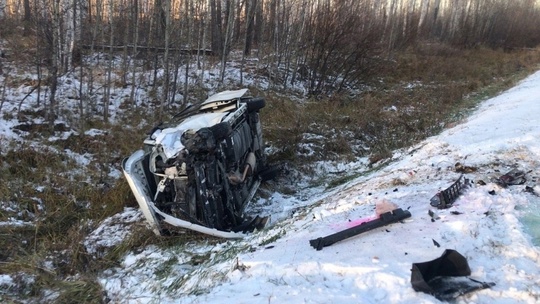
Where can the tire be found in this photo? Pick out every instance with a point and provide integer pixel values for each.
(221, 130)
(255, 104)
(206, 139)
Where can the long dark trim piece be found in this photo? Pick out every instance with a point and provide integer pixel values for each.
(384, 219)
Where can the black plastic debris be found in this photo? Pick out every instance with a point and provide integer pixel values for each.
(512, 177)
(529, 189)
(446, 277)
(445, 199)
(257, 223)
(434, 216)
(393, 216)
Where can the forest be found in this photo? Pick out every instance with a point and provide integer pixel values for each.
(330, 45)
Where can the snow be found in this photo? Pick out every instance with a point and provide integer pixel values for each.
(278, 265)
(111, 232)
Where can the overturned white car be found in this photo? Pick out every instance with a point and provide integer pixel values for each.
(200, 171)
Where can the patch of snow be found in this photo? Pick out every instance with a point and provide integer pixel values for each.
(82, 159)
(63, 136)
(112, 231)
(6, 280)
(95, 132)
(412, 85)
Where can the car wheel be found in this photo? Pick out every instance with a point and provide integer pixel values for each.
(205, 139)
(255, 104)
(221, 130)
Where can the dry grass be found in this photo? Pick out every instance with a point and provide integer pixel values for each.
(59, 198)
(415, 95)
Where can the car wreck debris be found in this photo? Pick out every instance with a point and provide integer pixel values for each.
(446, 198)
(383, 220)
(445, 277)
(200, 170)
(512, 177)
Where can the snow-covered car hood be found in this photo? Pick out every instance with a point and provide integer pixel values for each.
(169, 138)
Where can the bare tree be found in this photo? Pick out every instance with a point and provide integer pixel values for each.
(216, 26)
(54, 61)
(135, 23)
(189, 8)
(228, 37)
(205, 28)
(27, 17)
(108, 85)
(250, 9)
(166, 9)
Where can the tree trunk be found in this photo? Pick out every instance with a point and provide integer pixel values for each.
(228, 38)
(107, 95)
(185, 94)
(250, 9)
(53, 66)
(27, 17)
(135, 22)
(165, 92)
(216, 31)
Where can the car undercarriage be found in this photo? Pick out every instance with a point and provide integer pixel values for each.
(200, 170)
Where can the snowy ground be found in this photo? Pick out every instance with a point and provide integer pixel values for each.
(278, 265)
